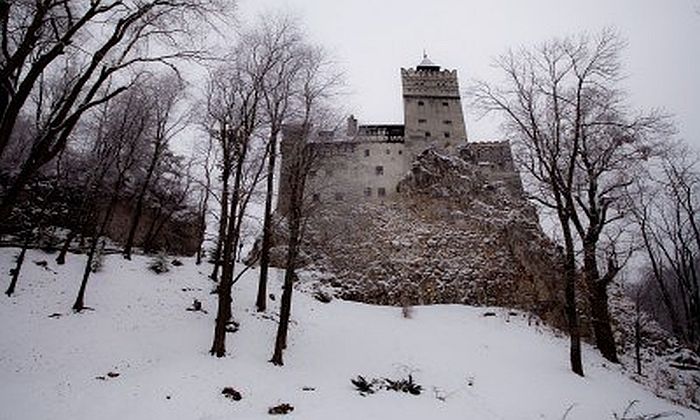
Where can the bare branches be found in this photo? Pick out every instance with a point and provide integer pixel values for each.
(579, 145)
(665, 207)
(100, 42)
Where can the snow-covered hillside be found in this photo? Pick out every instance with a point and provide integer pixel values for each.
(54, 364)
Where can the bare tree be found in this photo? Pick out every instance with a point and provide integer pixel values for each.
(169, 198)
(100, 42)
(163, 93)
(122, 131)
(282, 39)
(666, 208)
(581, 146)
(206, 194)
(319, 82)
(233, 103)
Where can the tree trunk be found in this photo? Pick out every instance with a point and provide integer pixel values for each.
(202, 232)
(261, 301)
(223, 314)
(294, 219)
(61, 259)
(139, 205)
(570, 297)
(598, 301)
(286, 301)
(134, 225)
(79, 304)
(18, 267)
(638, 338)
(223, 221)
(199, 254)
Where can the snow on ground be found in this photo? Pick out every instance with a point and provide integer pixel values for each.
(482, 367)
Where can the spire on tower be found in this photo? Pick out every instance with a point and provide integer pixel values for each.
(427, 64)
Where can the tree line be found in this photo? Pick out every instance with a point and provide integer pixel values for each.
(92, 100)
(613, 177)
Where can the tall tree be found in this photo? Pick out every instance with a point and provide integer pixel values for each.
(163, 94)
(319, 81)
(121, 134)
(281, 37)
(666, 206)
(233, 104)
(580, 144)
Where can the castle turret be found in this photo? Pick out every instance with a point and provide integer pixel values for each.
(432, 107)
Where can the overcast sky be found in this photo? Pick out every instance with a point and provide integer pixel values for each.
(373, 39)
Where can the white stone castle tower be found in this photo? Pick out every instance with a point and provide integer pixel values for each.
(432, 108)
(367, 161)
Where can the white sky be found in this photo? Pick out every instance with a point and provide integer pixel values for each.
(372, 39)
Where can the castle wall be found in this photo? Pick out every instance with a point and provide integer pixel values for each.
(495, 158)
(358, 171)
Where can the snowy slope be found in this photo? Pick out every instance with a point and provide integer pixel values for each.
(482, 367)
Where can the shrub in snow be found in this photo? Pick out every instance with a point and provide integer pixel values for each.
(366, 387)
(176, 263)
(322, 296)
(363, 385)
(404, 385)
(283, 408)
(196, 306)
(159, 264)
(231, 393)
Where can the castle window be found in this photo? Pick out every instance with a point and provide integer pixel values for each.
(447, 122)
(445, 104)
(316, 197)
(421, 120)
(401, 152)
(379, 170)
(366, 152)
(381, 192)
(420, 103)
(427, 134)
(388, 152)
(338, 196)
(368, 192)
(447, 135)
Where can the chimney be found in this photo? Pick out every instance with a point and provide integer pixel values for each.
(352, 126)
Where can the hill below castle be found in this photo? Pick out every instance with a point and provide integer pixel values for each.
(141, 355)
(456, 233)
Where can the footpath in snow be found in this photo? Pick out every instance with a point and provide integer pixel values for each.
(140, 355)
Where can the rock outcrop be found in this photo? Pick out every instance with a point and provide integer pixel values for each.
(456, 234)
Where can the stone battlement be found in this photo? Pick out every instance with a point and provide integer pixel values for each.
(432, 83)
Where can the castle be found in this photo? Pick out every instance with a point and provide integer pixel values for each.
(367, 162)
(414, 213)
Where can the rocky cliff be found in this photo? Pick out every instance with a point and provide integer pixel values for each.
(456, 234)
